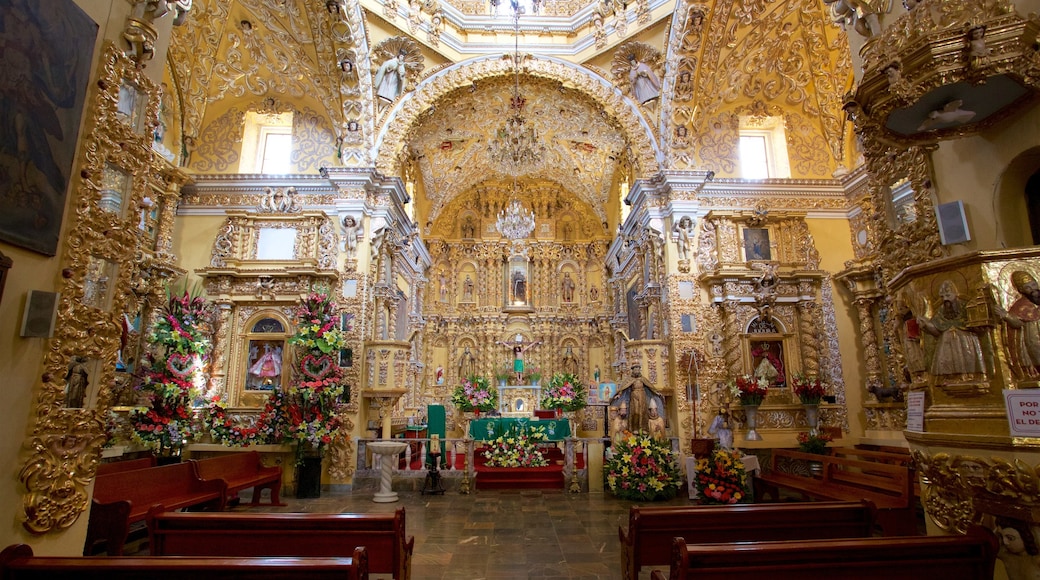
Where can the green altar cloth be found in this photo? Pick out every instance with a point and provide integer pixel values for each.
(494, 427)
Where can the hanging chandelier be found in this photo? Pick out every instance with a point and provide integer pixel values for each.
(515, 222)
(515, 148)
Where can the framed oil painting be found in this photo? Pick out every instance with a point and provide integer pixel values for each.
(756, 244)
(47, 58)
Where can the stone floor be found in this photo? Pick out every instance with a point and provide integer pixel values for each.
(501, 535)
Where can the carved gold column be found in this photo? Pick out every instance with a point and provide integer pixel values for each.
(868, 338)
(168, 204)
(221, 346)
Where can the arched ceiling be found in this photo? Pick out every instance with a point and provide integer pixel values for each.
(451, 143)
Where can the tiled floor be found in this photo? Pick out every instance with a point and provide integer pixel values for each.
(501, 535)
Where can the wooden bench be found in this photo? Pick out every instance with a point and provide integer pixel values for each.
(969, 557)
(125, 465)
(242, 471)
(246, 534)
(891, 457)
(18, 563)
(122, 499)
(648, 541)
(842, 479)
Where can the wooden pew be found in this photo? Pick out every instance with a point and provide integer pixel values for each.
(648, 541)
(18, 563)
(122, 499)
(242, 471)
(891, 457)
(843, 479)
(126, 465)
(246, 534)
(968, 557)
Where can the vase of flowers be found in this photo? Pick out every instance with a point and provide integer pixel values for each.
(721, 477)
(172, 375)
(816, 444)
(751, 390)
(564, 393)
(474, 395)
(502, 374)
(809, 389)
(643, 469)
(518, 448)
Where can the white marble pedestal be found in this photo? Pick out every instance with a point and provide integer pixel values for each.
(387, 450)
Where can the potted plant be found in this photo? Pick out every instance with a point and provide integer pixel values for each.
(564, 393)
(534, 375)
(502, 374)
(813, 443)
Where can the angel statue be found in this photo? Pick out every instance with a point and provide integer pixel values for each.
(401, 59)
(637, 62)
(949, 114)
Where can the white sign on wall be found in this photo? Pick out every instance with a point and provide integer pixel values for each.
(1023, 410)
(915, 411)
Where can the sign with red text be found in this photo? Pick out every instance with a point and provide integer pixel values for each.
(1023, 406)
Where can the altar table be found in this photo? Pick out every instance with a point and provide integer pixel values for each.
(494, 427)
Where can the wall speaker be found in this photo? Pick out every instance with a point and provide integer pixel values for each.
(953, 225)
(41, 311)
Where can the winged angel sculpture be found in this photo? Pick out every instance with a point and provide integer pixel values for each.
(861, 15)
(638, 63)
(400, 61)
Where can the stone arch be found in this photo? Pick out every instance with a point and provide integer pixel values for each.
(391, 137)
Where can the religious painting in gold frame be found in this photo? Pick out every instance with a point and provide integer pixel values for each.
(756, 242)
(264, 357)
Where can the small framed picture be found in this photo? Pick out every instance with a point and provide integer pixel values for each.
(756, 244)
(346, 322)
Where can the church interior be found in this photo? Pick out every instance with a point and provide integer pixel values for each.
(841, 190)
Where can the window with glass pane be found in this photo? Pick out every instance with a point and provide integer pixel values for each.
(275, 150)
(754, 157)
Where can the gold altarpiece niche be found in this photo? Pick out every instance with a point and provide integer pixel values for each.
(776, 312)
(122, 199)
(262, 263)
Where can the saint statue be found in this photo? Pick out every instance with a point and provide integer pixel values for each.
(645, 84)
(467, 289)
(390, 77)
(636, 397)
(568, 288)
(1023, 320)
(76, 382)
(957, 349)
(266, 368)
(519, 285)
(467, 364)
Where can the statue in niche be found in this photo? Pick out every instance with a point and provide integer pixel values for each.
(567, 287)
(633, 402)
(468, 229)
(645, 84)
(443, 287)
(390, 77)
(467, 289)
(569, 364)
(768, 364)
(957, 349)
(518, 284)
(467, 364)
(1023, 321)
(76, 382)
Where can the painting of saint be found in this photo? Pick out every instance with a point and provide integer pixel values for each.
(48, 50)
(756, 244)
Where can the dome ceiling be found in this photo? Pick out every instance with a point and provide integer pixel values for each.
(580, 148)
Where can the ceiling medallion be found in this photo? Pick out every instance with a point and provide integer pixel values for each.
(515, 148)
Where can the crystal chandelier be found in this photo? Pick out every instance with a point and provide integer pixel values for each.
(515, 149)
(515, 221)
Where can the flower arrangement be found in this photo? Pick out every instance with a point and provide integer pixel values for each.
(814, 442)
(751, 389)
(308, 413)
(226, 430)
(475, 394)
(809, 389)
(518, 448)
(642, 469)
(316, 325)
(172, 374)
(721, 477)
(565, 392)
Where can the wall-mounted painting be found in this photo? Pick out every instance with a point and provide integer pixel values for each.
(756, 244)
(48, 49)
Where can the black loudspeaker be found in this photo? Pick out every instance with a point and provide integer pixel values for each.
(41, 310)
(953, 225)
